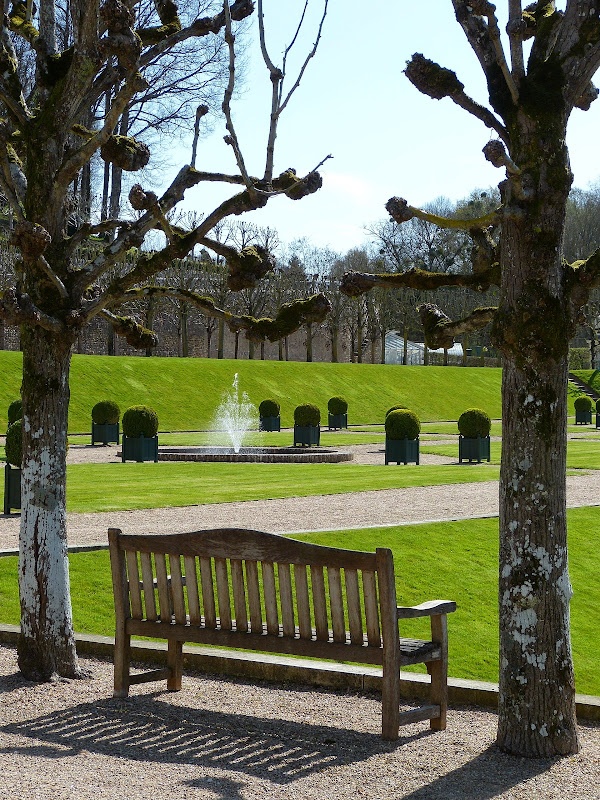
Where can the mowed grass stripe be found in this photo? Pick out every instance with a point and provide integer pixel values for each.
(449, 560)
(581, 453)
(119, 487)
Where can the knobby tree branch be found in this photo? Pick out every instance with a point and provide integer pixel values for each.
(441, 331)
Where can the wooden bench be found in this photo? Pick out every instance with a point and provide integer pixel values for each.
(257, 591)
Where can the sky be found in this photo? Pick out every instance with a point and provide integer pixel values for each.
(354, 103)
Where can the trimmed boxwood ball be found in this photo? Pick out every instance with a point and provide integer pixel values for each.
(106, 412)
(395, 408)
(583, 403)
(139, 420)
(337, 405)
(402, 424)
(14, 443)
(268, 408)
(15, 411)
(473, 423)
(306, 414)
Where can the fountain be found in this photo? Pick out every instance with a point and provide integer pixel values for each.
(235, 416)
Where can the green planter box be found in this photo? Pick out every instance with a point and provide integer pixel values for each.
(12, 488)
(307, 435)
(337, 421)
(401, 450)
(473, 449)
(140, 449)
(270, 424)
(103, 434)
(583, 417)
(597, 420)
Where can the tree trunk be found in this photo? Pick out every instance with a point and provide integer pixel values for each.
(465, 344)
(221, 340)
(425, 353)
(383, 333)
(287, 348)
(537, 687)
(262, 351)
(183, 327)
(236, 344)
(309, 343)
(47, 644)
(334, 347)
(209, 332)
(251, 349)
(150, 310)
(405, 346)
(280, 349)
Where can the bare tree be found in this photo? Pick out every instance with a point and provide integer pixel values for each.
(541, 297)
(42, 150)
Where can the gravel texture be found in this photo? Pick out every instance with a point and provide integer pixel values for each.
(224, 740)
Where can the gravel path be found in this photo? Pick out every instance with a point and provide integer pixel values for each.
(224, 740)
(321, 512)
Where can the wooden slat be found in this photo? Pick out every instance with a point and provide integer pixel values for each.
(355, 624)
(302, 601)
(134, 584)
(319, 602)
(336, 603)
(150, 676)
(191, 587)
(371, 609)
(390, 685)
(177, 589)
(256, 621)
(208, 593)
(239, 595)
(419, 714)
(223, 593)
(164, 594)
(148, 583)
(270, 594)
(286, 599)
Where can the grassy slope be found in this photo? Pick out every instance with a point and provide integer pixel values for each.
(186, 392)
(431, 561)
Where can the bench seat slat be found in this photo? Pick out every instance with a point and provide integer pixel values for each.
(353, 605)
(286, 599)
(336, 602)
(208, 593)
(256, 620)
(239, 595)
(317, 578)
(302, 601)
(134, 584)
(371, 607)
(222, 577)
(270, 595)
(162, 582)
(148, 582)
(177, 588)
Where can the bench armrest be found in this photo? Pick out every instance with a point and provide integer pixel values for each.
(428, 609)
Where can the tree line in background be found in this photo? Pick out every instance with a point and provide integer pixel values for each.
(355, 329)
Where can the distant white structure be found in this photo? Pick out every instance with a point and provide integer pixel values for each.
(415, 351)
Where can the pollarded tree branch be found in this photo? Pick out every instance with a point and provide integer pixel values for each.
(516, 30)
(353, 284)
(440, 330)
(400, 211)
(17, 308)
(290, 318)
(11, 90)
(134, 334)
(438, 82)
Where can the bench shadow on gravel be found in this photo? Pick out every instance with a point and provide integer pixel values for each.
(150, 730)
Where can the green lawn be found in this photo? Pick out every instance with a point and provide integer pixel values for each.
(116, 486)
(581, 454)
(450, 560)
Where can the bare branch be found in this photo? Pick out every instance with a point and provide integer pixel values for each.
(438, 82)
(54, 279)
(306, 60)
(515, 29)
(134, 334)
(440, 330)
(353, 284)
(17, 309)
(401, 212)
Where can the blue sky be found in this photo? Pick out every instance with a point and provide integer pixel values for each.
(385, 137)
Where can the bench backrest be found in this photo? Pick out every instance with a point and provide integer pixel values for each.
(250, 581)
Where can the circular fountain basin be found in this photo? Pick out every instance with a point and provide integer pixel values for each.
(266, 455)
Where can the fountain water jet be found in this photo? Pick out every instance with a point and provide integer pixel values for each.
(236, 415)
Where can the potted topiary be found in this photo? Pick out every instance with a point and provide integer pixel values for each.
(307, 419)
(474, 435)
(598, 413)
(402, 428)
(583, 410)
(268, 412)
(337, 413)
(140, 440)
(12, 471)
(105, 422)
(15, 411)
(395, 408)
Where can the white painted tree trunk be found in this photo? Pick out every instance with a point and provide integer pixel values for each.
(47, 643)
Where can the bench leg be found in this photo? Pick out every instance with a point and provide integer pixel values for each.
(390, 705)
(438, 671)
(122, 658)
(174, 662)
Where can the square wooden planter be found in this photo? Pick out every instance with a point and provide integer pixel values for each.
(401, 450)
(337, 421)
(12, 488)
(598, 419)
(139, 449)
(473, 449)
(270, 424)
(583, 417)
(103, 434)
(307, 435)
